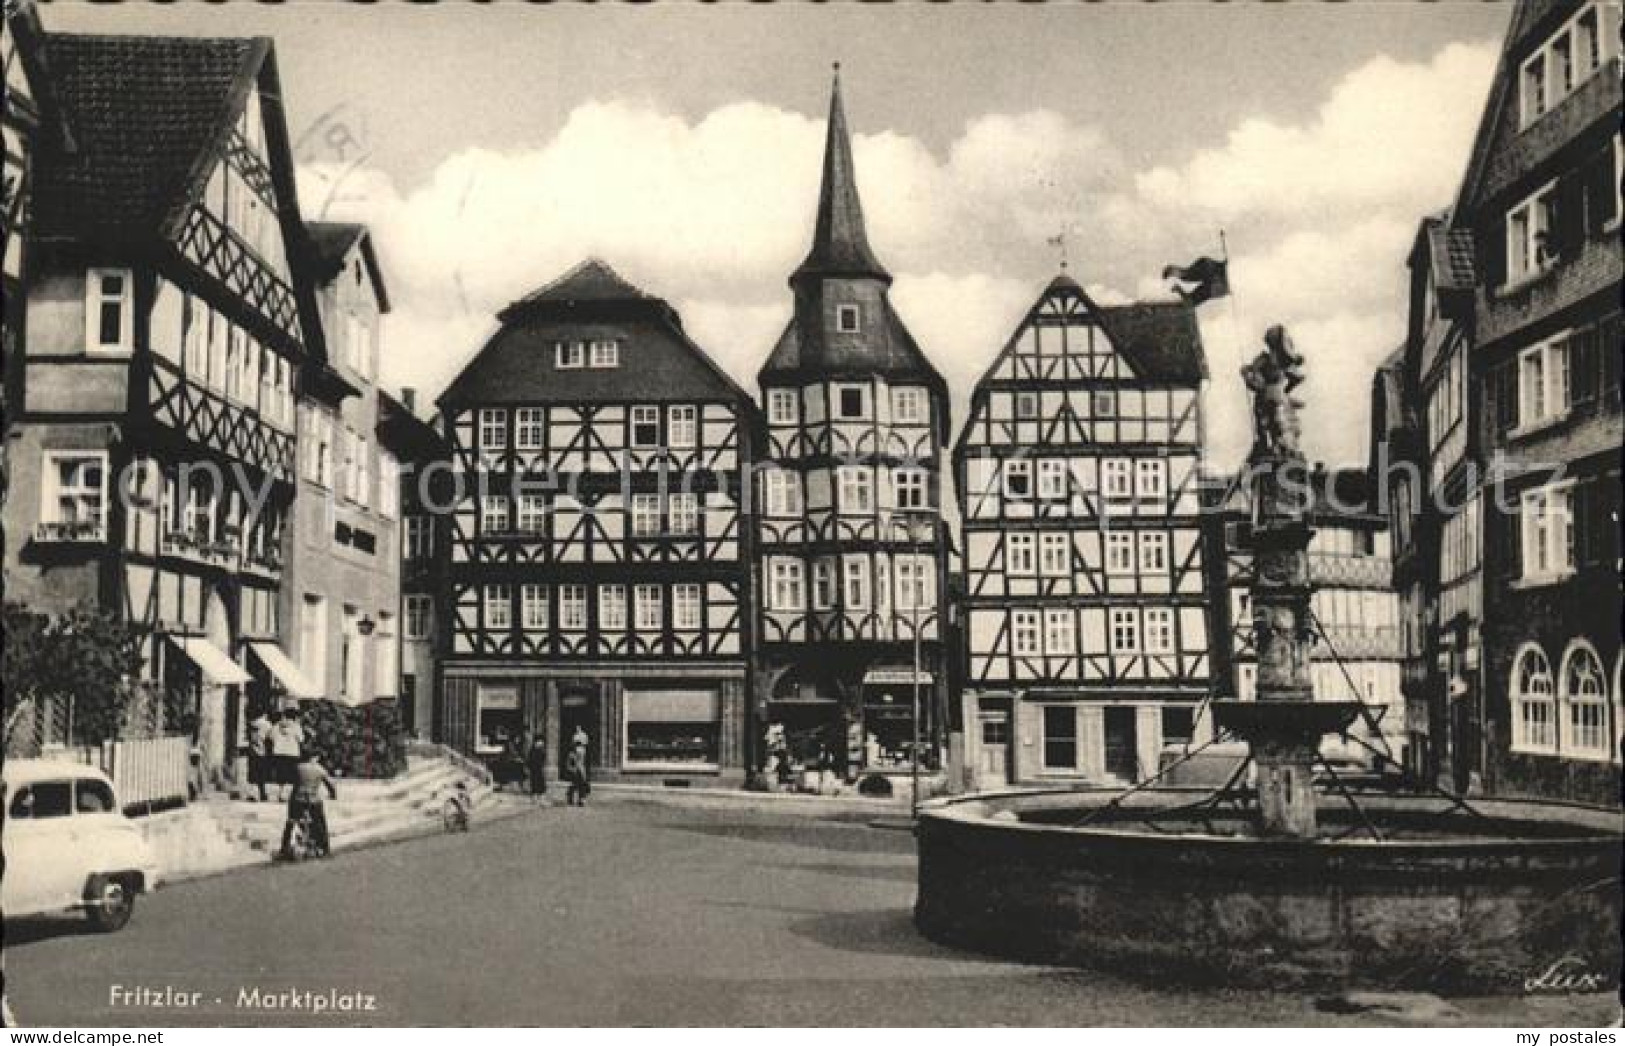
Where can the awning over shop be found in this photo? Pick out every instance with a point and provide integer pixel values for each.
(215, 664)
(290, 675)
(673, 706)
(895, 677)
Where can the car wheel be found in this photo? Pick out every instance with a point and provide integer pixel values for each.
(110, 903)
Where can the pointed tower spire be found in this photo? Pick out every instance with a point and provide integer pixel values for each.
(840, 245)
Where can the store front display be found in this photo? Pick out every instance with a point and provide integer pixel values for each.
(673, 728)
(499, 720)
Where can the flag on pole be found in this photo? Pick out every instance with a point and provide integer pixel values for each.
(1202, 280)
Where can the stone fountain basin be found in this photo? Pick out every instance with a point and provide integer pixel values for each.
(1448, 903)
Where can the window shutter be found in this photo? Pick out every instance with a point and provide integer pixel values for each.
(1583, 369)
(1602, 200)
(1504, 386)
(1609, 348)
(1492, 251)
(1568, 215)
(1512, 544)
(1582, 497)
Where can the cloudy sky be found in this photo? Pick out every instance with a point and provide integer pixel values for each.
(493, 147)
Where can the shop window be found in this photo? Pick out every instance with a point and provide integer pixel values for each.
(888, 727)
(499, 718)
(677, 728)
(1060, 737)
(1178, 724)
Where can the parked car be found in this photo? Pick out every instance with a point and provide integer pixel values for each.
(69, 846)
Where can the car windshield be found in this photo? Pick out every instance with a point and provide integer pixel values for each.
(93, 797)
(43, 799)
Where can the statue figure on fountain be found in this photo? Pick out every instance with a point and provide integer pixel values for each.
(1271, 377)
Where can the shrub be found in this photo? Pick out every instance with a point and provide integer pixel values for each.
(350, 745)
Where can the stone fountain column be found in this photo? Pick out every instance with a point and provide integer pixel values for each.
(1283, 727)
(1283, 637)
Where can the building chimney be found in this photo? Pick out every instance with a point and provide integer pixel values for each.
(409, 400)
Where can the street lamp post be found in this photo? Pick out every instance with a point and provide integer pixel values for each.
(915, 596)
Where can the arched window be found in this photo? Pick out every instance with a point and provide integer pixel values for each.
(1534, 715)
(1584, 721)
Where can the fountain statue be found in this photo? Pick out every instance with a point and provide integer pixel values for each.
(1285, 726)
(1257, 884)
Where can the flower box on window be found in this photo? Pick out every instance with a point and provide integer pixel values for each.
(73, 531)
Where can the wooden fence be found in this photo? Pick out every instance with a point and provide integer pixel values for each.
(147, 773)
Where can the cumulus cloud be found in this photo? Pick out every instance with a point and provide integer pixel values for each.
(713, 213)
(1390, 135)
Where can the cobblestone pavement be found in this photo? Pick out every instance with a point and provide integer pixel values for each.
(623, 913)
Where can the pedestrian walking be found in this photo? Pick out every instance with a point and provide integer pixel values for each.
(575, 771)
(536, 766)
(259, 754)
(287, 743)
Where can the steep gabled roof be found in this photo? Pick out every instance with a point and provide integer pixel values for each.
(589, 281)
(840, 244)
(330, 244)
(145, 112)
(658, 361)
(1160, 339)
(888, 350)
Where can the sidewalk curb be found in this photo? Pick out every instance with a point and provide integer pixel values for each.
(844, 807)
(429, 826)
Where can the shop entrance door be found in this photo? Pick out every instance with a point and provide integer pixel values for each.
(578, 710)
(992, 765)
(1122, 760)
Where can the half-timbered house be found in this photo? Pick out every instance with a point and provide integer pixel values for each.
(598, 566)
(154, 467)
(1086, 634)
(852, 555)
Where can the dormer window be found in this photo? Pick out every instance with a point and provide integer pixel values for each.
(851, 403)
(847, 319)
(570, 355)
(606, 354)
